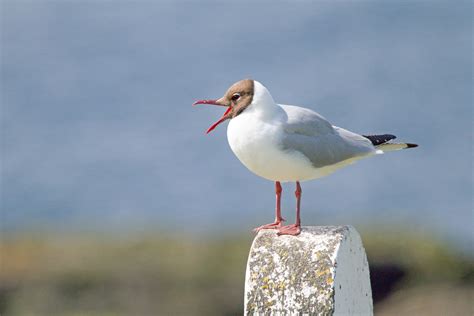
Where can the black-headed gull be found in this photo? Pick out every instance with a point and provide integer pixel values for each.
(289, 143)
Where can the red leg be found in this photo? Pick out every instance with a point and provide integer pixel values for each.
(294, 229)
(278, 218)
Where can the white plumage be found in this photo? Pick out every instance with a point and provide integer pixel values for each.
(291, 143)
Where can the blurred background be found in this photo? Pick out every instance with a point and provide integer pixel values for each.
(115, 202)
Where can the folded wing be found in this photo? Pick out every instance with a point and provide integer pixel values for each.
(312, 135)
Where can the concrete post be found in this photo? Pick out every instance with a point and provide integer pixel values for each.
(323, 271)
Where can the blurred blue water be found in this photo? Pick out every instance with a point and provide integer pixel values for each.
(98, 129)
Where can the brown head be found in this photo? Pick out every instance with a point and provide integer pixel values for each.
(237, 98)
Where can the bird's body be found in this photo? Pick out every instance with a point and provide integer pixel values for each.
(277, 148)
(289, 143)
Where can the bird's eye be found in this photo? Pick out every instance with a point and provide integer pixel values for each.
(235, 96)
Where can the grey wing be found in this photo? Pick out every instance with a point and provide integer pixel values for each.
(323, 144)
(305, 122)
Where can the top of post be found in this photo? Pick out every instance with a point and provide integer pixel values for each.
(320, 271)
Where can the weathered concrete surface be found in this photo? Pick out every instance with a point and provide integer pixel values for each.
(323, 271)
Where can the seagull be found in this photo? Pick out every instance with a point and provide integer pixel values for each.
(287, 143)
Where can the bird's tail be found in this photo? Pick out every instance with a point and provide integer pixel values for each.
(383, 144)
(395, 146)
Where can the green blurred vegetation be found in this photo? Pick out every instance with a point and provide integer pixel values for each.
(151, 274)
(425, 258)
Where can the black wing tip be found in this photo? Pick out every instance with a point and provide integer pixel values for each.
(379, 139)
(409, 145)
(381, 135)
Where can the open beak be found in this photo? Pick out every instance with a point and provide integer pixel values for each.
(219, 102)
(213, 102)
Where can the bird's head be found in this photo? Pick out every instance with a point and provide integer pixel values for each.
(237, 98)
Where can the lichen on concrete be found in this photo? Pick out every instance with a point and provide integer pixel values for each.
(293, 275)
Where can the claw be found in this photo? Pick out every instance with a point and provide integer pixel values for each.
(275, 225)
(293, 230)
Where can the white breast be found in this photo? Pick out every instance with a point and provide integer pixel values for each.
(255, 143)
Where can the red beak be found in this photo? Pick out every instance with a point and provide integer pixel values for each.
(213, 102)
(224, 117)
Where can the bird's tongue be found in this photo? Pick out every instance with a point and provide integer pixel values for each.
(222, 119)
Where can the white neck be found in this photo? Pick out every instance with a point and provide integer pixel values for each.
(263, 105)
